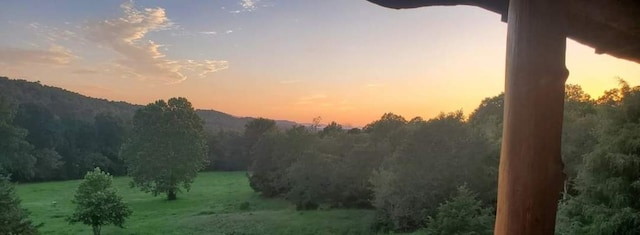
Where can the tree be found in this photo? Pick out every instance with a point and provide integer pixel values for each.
(309, 178)
(608, 183)
(487, 119)
(578, 132)
(15, 151)
(436, 157)
(43, 127)
(387, 129)
(167, 147)
(463, 214)
(97, 203)
(332, 129)
(110, 134)
(272, 155)
(13, 218)
(226, 151)
(47, 164)
(254, 130)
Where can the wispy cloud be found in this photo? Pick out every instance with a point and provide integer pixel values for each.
(209, 32)
(140, 56)
(85, 71)
(309, 99)
(248, 6)
(55, 55)
(54, 35)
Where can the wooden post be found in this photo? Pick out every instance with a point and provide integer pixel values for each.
(530, 177)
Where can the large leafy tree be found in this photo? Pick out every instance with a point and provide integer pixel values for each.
(13, 218)
(167, 147)
(97, 203)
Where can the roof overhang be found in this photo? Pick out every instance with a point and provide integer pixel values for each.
(611, 27)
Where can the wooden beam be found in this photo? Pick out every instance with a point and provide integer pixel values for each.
(530, 176)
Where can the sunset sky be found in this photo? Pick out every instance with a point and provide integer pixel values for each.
(348, 61)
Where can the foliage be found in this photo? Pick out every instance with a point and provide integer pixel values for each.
(608, 184)
(227, 151)
(309, 178)
(463, 214)
(55, 134)
(15, 152)
(48, 162)
(578, 132)
(272, 155)
(97, 203)
(332, 129)
(353, 164)
(401, 168)
(406, 192)
(387, 130)
(167, 147)
(14, 220)
(487, 118)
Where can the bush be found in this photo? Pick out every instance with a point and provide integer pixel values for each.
(461, 215)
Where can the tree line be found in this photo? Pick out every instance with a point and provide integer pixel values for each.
(436, 176)
(439, 176)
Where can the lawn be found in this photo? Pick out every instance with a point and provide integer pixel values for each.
(213, 206)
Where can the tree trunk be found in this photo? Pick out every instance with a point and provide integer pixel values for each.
(96, 230)
(171, 195)
(530, 175)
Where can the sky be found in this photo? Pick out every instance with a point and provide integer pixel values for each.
(345, 61)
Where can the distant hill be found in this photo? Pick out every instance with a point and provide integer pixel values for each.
(68, 104)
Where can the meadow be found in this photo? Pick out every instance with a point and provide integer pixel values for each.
(218, 203)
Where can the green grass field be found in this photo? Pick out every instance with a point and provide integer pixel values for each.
(213, 206)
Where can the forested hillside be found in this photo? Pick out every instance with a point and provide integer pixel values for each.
(67, 104)
(49, 133)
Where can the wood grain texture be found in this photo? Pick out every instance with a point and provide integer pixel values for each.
(530, 174)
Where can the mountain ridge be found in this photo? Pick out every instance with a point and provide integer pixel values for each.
(69, 104)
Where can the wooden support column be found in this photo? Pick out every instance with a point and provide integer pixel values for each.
(530, 177)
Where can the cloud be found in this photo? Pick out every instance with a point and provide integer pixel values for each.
(55, 55)
(54, 35)
(209, 32)
(140, 57)
(311, 98)
(85, 71)
(249, 4)
(246, 6)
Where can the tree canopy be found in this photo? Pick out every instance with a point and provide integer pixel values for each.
(167, 147)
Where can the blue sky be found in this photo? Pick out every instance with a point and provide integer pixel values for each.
(348, 61)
